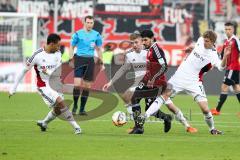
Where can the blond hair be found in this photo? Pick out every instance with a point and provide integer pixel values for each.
(210, 34)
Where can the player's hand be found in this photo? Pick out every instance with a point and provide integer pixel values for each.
(189, 49)
(44, 71)
(106, 86)
(227, 50)
(150, 83)
(102, 68)
(10, 94)
(71, 63)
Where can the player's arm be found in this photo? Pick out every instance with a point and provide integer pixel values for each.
(73, 44)
(238, 47)
(99, 53)
(99, 47)
(71, 50)
(126, 66)
(221, 64)
(159, 54)
(30, 62)
(188, 50)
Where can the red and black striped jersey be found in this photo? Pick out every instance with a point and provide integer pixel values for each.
(233, 60)
(156, 66)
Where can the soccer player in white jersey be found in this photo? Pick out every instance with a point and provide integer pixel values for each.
(46, 61)
(188, 77)
(136, 58)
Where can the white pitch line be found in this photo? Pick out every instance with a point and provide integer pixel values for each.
(106, 120)
(222, 114)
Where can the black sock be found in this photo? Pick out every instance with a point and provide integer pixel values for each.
(221, 100)
(160, 114)
(136, 112)
(84, 98)
(238, 97)
(76, 93)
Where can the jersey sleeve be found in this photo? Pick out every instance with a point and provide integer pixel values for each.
(159, 54)
(99, 40)
(237, 44)
(200, 41)
(74, 39)
(126, 66)
(31, 61)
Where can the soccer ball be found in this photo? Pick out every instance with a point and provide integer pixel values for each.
(119, 118)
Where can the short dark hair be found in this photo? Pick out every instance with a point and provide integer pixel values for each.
(211, 35)
(88, 17)
(53, 38)
(229, 23)
(147, 33)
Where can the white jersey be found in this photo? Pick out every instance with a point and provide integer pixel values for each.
(200, 61)
(135, 60)
(42, 61)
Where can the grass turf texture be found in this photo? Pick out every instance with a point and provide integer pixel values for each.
(20, 138)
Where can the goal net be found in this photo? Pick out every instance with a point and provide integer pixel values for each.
(18, 36)
(18, 39)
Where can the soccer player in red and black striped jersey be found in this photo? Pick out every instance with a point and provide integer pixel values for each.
(154, 80)
(231, 77)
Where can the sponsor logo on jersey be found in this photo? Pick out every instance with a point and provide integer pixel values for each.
(198, 56)
(140, 66)
(48, 67)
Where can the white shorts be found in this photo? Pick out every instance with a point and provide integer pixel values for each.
(195, 89)
(49, 95)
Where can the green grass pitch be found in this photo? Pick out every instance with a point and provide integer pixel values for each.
(21, 139)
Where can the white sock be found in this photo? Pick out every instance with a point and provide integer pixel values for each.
(67, 116)
(209, 120)
(181, 118)
(129, 108)
(74, 124)
(155, 106)
(50, 117)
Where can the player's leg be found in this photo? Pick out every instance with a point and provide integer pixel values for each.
(227, 81)
(76, 93)
(136, 109)
(84, 97)
(78, 74)
(63, 112)
(207, 115)
(155, 106)
(236, 85)
(59, 109)
(179, 116)
(198, 92)
(126, 97)
(222, 98)
(165, 93)
(167, 118)
(88, 78)
(50, 101)
(237, 91)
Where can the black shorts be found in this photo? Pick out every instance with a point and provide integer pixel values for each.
(84, 67)
(144, 92)
(231, 77)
